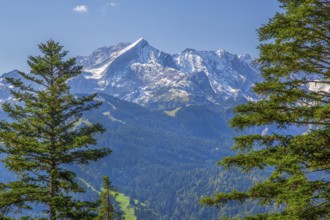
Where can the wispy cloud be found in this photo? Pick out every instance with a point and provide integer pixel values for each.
(108, 5)
(80, 9)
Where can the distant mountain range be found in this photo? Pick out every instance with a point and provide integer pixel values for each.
(144, 75)
(166, 122)
(139, 73)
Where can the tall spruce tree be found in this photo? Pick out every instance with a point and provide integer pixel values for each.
(295, 66)
(44, 137)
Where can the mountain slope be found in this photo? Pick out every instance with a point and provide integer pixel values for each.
(166, 162)
(166, 122)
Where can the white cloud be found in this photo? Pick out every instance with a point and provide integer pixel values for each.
(80, 9)
(108, 5)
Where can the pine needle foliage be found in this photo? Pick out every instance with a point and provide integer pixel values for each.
(42, 138)
(295, 66)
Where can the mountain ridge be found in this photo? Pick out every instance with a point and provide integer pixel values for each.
(142, 74)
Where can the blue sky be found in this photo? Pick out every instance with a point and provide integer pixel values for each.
(169, 25)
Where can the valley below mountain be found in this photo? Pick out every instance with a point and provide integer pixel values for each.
(166, 120)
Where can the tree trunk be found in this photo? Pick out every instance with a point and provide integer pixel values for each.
(52, 212)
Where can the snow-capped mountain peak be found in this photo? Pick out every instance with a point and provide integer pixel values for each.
(140, 73)
(140, 43)
(98, 62)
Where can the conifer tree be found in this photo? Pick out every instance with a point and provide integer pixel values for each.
(106, 210)
(43, 137)
(295, 66)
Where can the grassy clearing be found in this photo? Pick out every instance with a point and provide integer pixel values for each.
(173, 112)
(125, 207)
(124, 202)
